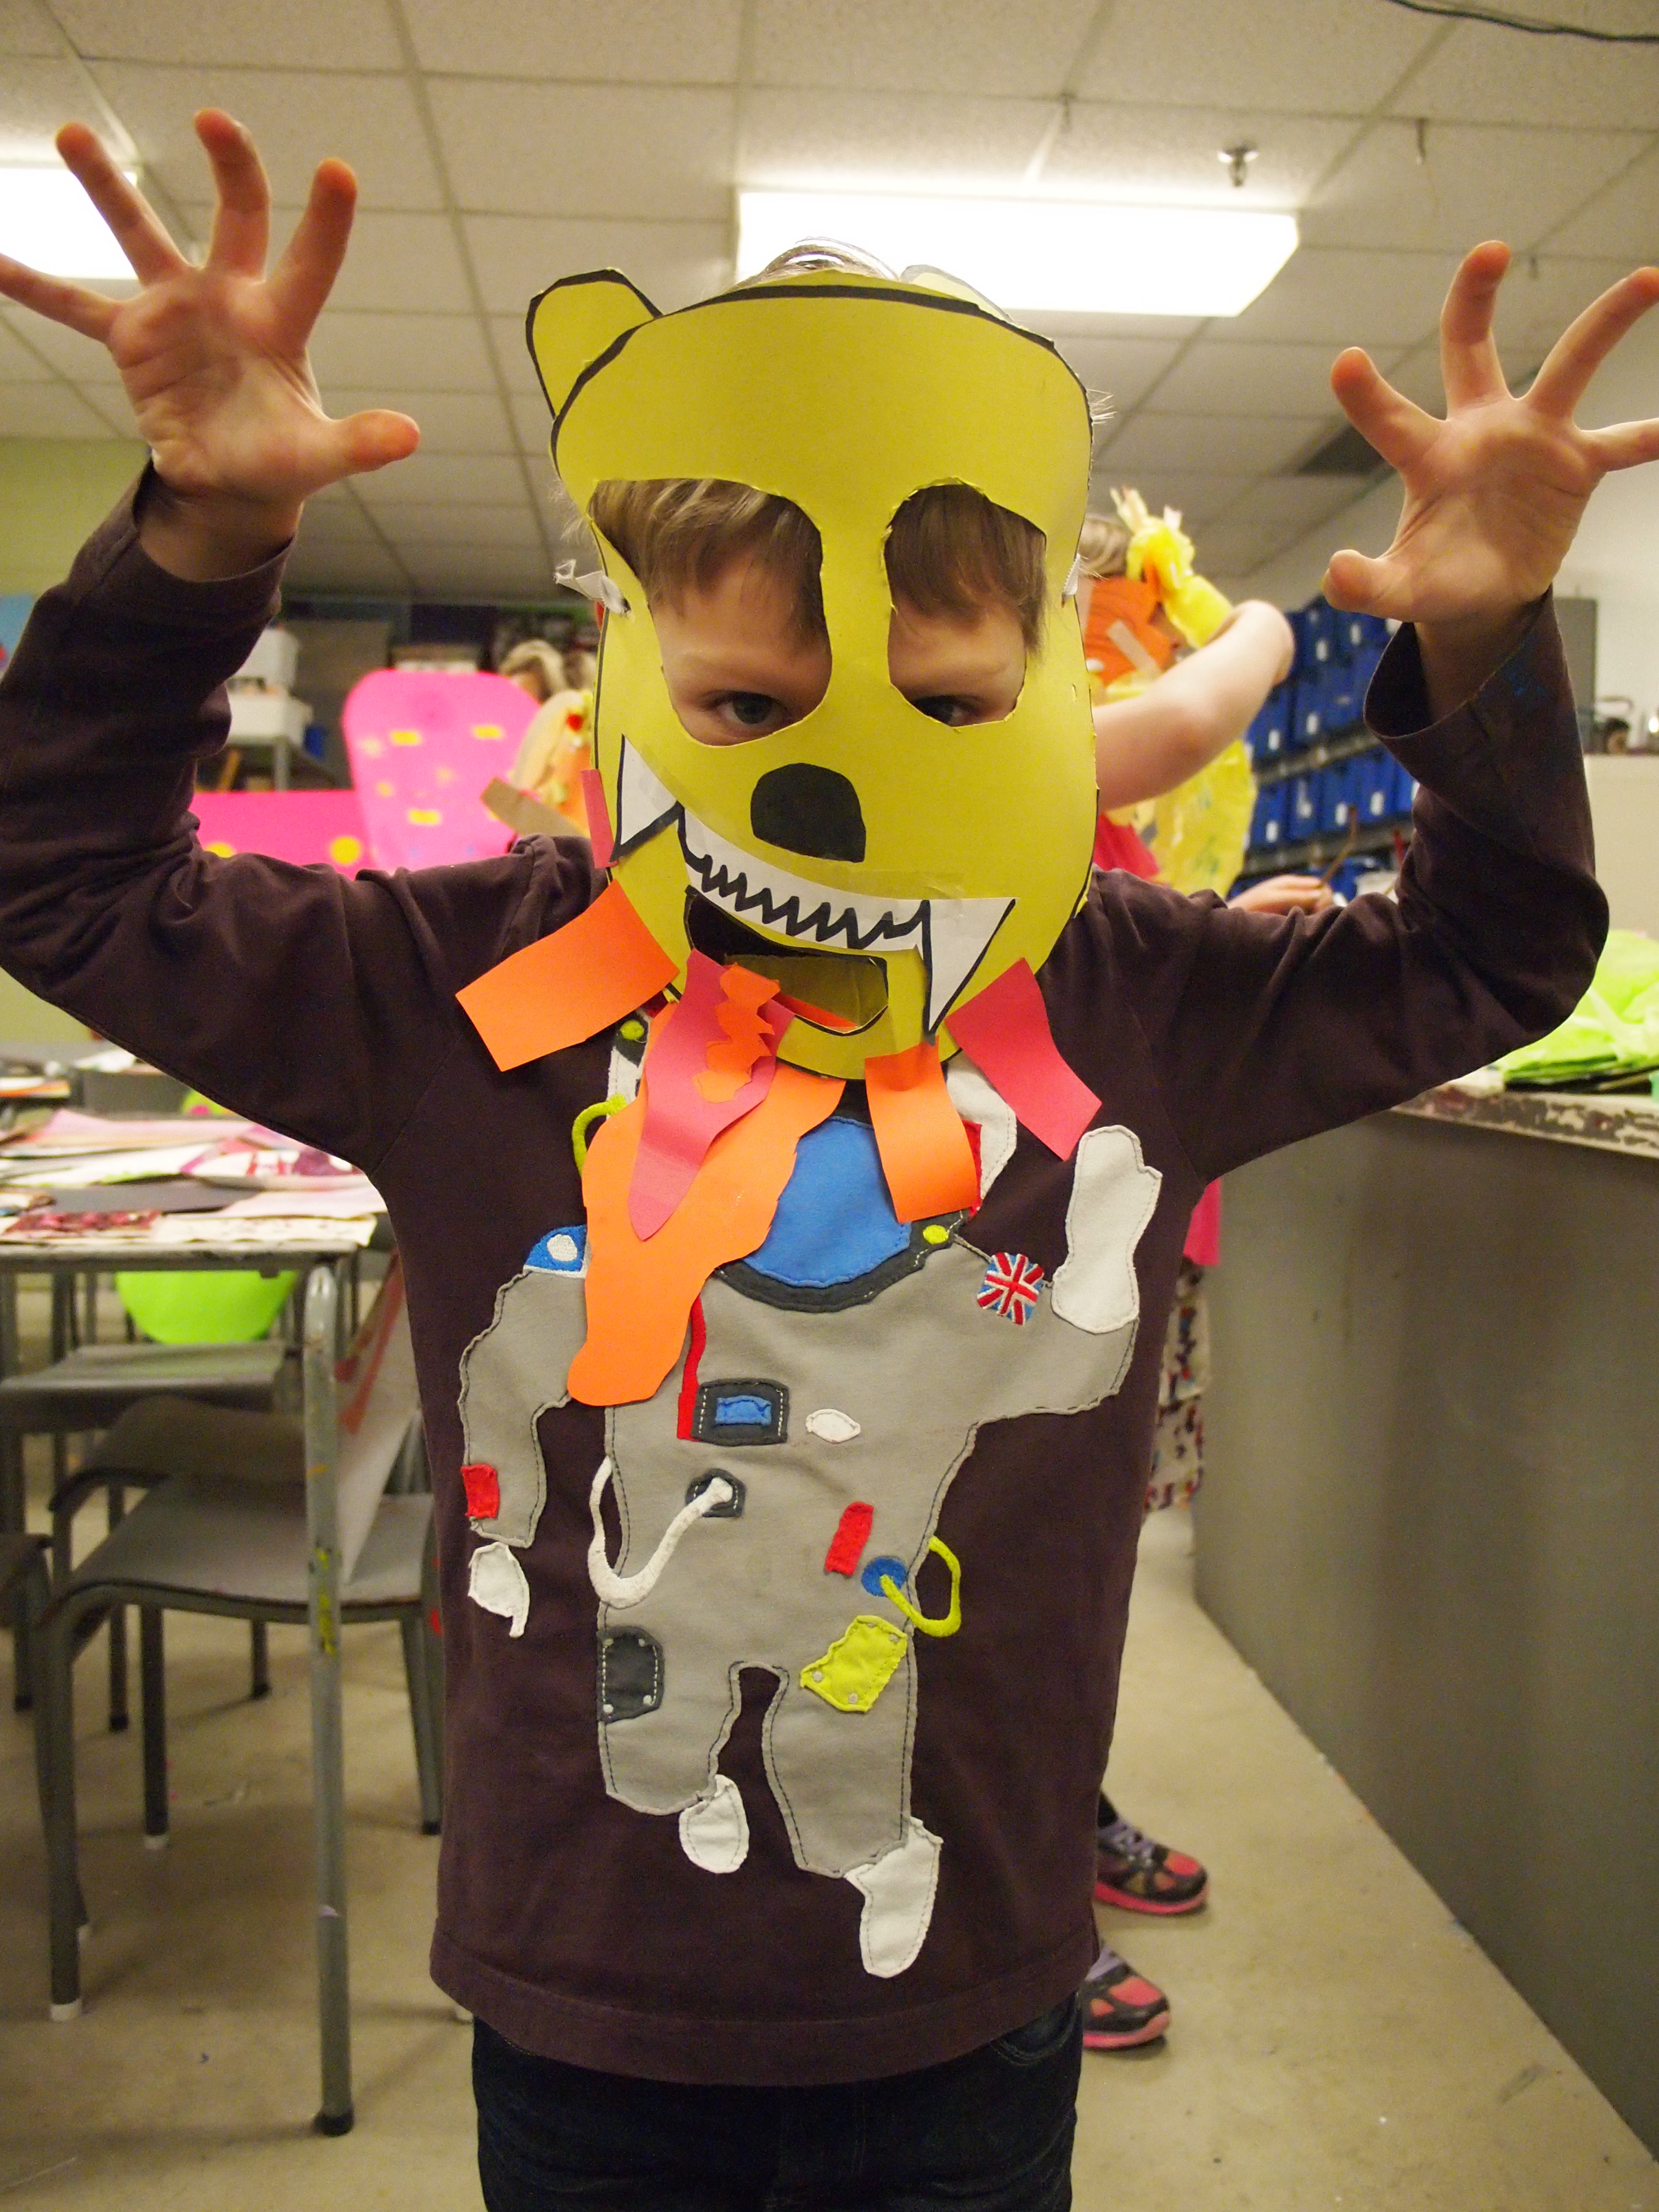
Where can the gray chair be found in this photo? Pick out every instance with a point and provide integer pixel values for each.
(24, 1591)
(263, 1517)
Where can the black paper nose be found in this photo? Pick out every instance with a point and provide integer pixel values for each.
(808, 810)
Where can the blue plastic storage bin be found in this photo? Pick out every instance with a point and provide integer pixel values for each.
(1267, 823)
(1373, 785)
(1303, 818)
(1270, 731)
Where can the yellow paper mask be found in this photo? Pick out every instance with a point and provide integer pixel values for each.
(846, 394)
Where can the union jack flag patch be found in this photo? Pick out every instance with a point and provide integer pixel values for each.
(1010, 1287)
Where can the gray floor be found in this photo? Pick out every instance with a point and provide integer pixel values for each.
(1337, 2040)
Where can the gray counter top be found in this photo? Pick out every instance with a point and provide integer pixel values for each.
(1628, 1124)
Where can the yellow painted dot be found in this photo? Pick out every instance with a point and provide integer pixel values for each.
(633, 1030)
(405, 737)
(342, 851)
(225, 852)
(386, 790)
(488, 730)
(424, 817)
(933, 1234)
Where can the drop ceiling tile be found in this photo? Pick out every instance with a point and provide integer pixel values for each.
(918, 45)
(1475, 182)
(1198, 495)
(451, 422)
(1490, 75)
(1308, 57)
(1232, 549)
(337, 522)
(445, 479)
(518, 256)
(1623, 220)
(48, 410)
(1296, 504)
(508, 525)
(1220, 376)
(19, 363)
(1336, 295)
(228, 33)
(366, 568)
(36, 98)
(1170, 154)
(82, 359)
(1231, 445)
(532, 423)
(612, 150)
(1540, 297)
(1125, 368)
(394, 260)
(1109, 329)
(296, 117)
(632, 42)
(26, 30)
(482, 572)
(872, 142)
(409, 353)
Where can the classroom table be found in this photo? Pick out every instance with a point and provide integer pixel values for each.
(325, 1254)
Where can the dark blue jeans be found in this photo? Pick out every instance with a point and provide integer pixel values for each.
(991, 2132)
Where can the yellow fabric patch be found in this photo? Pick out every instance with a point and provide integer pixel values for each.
(858, 1666)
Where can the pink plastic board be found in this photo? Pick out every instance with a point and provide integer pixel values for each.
(423, 748)
(301, 826)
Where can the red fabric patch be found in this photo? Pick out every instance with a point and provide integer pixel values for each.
(483, 1492)
(688, 1404)
(847, 1546)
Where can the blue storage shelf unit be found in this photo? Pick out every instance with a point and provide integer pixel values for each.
(1324, 787)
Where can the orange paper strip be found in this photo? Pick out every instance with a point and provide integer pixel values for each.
(925, 1153)
(569, 985)
(640, 1294)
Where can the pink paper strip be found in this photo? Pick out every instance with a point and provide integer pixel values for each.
(682, 1120)
(1005, 1030)
(1203, 1244)
(601, 835)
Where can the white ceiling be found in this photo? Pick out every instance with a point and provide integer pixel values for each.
(500, 144)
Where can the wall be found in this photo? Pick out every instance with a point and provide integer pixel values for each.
(53, 491)
(1430, 1523)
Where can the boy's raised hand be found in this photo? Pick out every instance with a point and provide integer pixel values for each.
(1493, 494)
(214, 359)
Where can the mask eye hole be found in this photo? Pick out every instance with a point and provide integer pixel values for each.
(968, 591)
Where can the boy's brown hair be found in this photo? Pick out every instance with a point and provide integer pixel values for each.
(949, 552)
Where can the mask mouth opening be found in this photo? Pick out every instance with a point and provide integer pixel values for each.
(841, 992)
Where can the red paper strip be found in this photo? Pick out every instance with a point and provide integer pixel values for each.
(924, 1152)
(710, 1060)
(569, 985)
(847, 1545)
(1005, 1030)
(601, 835)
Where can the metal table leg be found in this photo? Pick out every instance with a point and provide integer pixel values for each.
(334, 2115)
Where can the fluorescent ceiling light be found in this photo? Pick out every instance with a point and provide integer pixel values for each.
(48, 221)
(1064, 257)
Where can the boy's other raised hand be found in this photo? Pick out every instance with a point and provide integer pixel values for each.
(1494, 493)
(214, 358)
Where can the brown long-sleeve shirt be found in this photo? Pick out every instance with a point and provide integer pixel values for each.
(570, 1920)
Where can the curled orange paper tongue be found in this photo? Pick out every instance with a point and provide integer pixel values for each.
(925, 1153)
(640, 1294)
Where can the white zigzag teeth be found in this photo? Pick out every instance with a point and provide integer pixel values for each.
(951, 934)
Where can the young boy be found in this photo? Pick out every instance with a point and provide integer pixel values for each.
(810, 1925)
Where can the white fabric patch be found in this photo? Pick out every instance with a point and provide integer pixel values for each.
(898, 1902)
(834, 1427)
(623, 1590)
(975, 1100)
(1114, 1195)
(495, 1582)
(714, 1831)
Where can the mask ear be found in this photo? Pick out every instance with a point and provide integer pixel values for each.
(575, 322)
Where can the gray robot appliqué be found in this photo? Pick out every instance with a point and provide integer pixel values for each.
(832, 1385)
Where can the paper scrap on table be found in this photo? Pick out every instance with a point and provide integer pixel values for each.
(424, 744)
(1005, 1031)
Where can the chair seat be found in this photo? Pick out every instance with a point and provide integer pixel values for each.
(230, 1542)
(88, 1388)
(161, 1437)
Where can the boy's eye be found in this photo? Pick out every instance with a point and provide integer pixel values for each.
(750, 710)
(949, 709)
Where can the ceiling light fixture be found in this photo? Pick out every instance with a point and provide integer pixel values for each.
(1064, 257)
(47, 221)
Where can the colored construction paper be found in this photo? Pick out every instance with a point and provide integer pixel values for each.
(640, 1296)
(524, 814)
(301, 826)
(1203, 1243)
(710, 1060)
(925, 1153)
(568, 985)
(424, 744)
(1004, 1030)
(600, 835)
